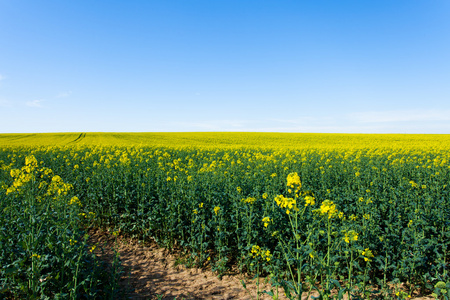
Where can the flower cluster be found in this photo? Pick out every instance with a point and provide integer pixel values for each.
(24, 175)
(75, 201)
(367, 253)
(309, 200)
(289, 203)
(350, 236)
(249, 200)
(293, 180)
(58, 187)
(266, 221)
(216, 210)
(257, 251)
(328, 208)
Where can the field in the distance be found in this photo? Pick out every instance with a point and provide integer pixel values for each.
(232, 139)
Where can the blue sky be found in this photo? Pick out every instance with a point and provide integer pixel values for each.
(214, 65)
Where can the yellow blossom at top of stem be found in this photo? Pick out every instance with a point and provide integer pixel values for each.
(256, 250)
(367, 253)
(284, 202)
(351, 236)
(266, 255)
(266, 221)
(216, 209)
(249, 200)
(75, 200)
(294, 180)
(328, 208)
(309, 200)
(31, 160)
(413, 184)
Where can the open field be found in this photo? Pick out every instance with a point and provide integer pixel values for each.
(328, 214)
(232, 140)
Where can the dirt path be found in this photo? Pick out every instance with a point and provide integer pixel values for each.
(151, 272)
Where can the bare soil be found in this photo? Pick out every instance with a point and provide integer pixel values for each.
(151, 272)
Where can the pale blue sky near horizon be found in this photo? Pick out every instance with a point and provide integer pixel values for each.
(336, 66)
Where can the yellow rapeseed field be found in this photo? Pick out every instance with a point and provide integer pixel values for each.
(352, 214)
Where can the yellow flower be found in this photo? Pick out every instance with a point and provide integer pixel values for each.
(350, 236)
(284, 202)
(216, 209)
(195, 211)
(309, 200)
(266, 255)
(256, 250)
(75, 200)
(328, 208)
(294, 180)
(264, 196)
(413, 184)
(30, 160)
(249, 200)
(266, 221)
(200, 205)
(367, 253)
